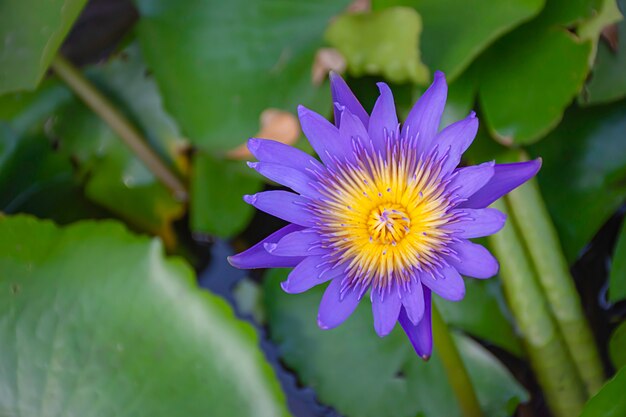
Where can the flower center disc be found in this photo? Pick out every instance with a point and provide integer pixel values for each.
(388, 224)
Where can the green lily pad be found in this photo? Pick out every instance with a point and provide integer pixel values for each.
(482, 313)
(617, 346)
(363, 375)
(608, 83)
(26, 112)
(220, 64)
(216, 191)
(34, 179)
(617, 277)
(583, 177)
(127, 80)
(31, 32)
(114, 177)
(456, 32)
(528, 78)
(96, 321)
(610, 401)
(381, 43)
(567, 13)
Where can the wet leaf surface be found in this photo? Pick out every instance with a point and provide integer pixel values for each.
(361, 374)
(30, 40)
(96, 321)
(218, 66)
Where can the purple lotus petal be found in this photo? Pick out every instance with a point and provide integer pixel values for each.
(282, 204)
(386, 210)
(324, 137)
(336, 306)
(345, 97)
(385, 308)
(257, 256)
(293, 178)
(455, 139)
(479, 222)
(506, 178)
(306, 275)
(448, 284)
(384, 120)
(413, 301)
(423, 120)
(474, 260)
(302, 243)
(266, 150)
(468, 180)
(352, 128)
(420, 334)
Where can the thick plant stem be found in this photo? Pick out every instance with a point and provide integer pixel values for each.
(84, 89)
(454, 367)
(549, 356)
(537, 231)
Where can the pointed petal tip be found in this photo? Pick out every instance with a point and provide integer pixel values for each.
(425, 357)
(302, 110)
(380, 332)
(250, 198)
(439, 75)
(233, 260)
(472, 114)
(285, 286)
(253, 144)
(321, 324)
(383, 87)
(538, 163)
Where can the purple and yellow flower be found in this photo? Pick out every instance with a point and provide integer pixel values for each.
(385, 211)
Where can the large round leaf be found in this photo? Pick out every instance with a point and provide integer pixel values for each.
(31, 31)
(217, 187)
(528, 78)
(482, 314)
(114, 177)
(455, 32)
(584, 172)
(362, 375)
(608, 82)
(610, 401)
(219, 64)
(94, 321)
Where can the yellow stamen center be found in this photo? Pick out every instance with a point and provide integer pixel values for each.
(388, 223)
(386, 217)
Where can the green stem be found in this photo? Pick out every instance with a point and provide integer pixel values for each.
(540, 238)
(454, 367)
(84, 89)
(549, 357)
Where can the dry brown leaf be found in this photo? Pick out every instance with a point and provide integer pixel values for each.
(326, 60)
(276, 124)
